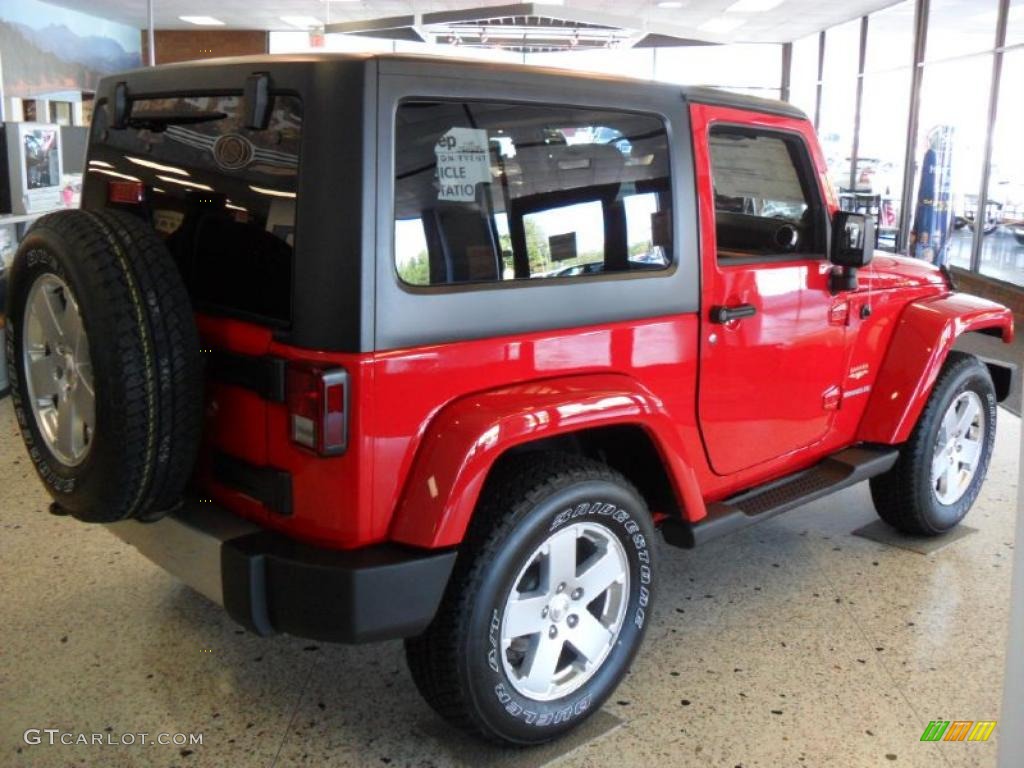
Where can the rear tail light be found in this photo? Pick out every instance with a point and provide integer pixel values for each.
(318, 408)
(129, 192)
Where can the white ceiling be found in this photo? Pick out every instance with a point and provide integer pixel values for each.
(789, 20)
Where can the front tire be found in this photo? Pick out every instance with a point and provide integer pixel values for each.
(547, 605)
(941, 468)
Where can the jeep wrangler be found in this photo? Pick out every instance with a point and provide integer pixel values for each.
(376, 347)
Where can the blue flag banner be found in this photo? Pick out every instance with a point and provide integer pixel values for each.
(929, 237)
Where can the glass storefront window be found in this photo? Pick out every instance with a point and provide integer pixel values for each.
(1015, 23)
(891, 38)
(628, 62)
(882, 147)
(1002, 250)
(803, 77)
(839, 99)
(960, 27)
(754, 68)
(950, 148)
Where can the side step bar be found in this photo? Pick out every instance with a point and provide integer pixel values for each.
(843, 469)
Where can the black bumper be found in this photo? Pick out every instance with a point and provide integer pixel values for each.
(270, 583)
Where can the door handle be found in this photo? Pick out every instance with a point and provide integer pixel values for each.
(726, 314)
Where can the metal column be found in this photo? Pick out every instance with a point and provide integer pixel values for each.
(993, 108)
(150, 35)
(787, 70)
(859, 98)
(821, 74)
(913, 116)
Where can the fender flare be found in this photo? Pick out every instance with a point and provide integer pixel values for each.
(468, 435)
(920, 343)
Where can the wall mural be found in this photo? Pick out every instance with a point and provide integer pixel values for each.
(47, 48)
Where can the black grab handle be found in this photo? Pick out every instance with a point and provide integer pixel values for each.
(725, 314)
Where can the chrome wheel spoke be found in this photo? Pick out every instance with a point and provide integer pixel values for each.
(969, 412)
(541, 666)
(948, 424)
(970, 452)
(939, 464)
(46, 314)
(71, 327)
(561, 558)
(524, 616)
(65, 426)
(605, 571)
(42, 375)
(83, 408)
(590, 637)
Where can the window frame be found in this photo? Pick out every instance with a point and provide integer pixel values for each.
(807, 176)
(408, 316)
(672, 253)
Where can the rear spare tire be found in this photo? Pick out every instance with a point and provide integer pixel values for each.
(104, 362)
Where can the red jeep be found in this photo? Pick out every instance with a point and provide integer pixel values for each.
(380, 347)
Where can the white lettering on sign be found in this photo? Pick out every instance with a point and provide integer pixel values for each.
(462, 163)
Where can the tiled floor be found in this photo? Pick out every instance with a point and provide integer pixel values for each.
(789, 644)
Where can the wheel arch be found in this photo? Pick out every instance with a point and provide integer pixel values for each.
(606, 416)
(924, 336)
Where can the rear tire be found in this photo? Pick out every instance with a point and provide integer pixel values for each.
(941, 468)
(481, 662)
(122, 327)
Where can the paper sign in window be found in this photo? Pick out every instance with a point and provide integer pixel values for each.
(462, 163)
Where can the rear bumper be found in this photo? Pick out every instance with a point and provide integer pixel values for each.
(270, 583)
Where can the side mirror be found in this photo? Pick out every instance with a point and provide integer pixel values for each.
(853, 239)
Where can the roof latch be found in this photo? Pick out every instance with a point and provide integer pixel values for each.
(122, 105)
(258, 101)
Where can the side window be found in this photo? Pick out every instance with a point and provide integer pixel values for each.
(492, 192)
(766, 202)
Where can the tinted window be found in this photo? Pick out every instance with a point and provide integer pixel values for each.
(765, 201)
(222, 195)
(488, 192)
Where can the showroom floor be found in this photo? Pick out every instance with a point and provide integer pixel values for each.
(789, 644)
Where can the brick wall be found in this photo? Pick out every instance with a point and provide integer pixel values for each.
(187, 45)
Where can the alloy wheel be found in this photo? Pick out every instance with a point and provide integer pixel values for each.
(564, 613)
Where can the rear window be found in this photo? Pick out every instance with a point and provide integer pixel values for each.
(222, 195)
(491, 192)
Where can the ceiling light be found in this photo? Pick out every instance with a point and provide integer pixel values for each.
(271, 192)
(115, 174)
(183, 183)
(156, 166)
(203, 21)
(721, 25)
(753, 6)
(302, 22)
(670, 4)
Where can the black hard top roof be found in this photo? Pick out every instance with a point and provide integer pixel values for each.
(695, 94)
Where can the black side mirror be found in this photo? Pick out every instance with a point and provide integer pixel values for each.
(853, 239)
